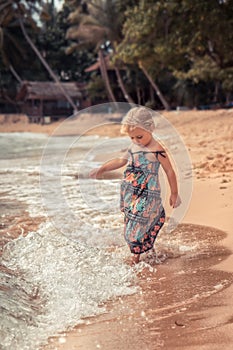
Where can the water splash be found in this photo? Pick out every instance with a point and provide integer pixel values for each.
(61, 277)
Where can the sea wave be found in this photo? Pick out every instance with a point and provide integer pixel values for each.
(55, 282)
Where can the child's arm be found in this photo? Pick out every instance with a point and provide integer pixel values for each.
(112, 164)
(175, 200)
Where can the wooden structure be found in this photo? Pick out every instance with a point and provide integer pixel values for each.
(39, 99)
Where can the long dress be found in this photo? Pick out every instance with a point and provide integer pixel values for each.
(141, 202)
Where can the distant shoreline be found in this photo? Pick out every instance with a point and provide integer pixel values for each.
(19, 122)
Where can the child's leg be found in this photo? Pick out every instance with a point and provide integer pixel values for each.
(135, 259)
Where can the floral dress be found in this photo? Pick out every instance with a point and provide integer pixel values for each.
(141, 201)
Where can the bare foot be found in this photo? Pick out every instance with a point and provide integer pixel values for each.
(135, 259)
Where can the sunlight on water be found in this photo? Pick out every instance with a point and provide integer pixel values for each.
(50, 280)
(68, 280)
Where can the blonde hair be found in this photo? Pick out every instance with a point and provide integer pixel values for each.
(140, 117)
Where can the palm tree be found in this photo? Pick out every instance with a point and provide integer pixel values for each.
(19, 13)
(11, 49)
(154, 85)
(122, 86)
(44, 62)
(141, 32)
(85, 28)
(95, 23)
(104, 73)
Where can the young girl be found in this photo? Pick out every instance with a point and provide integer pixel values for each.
(141, 203)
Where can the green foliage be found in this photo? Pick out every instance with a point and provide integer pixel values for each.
(96, 89)
(101, 21)
(12, 44)
(193, 40)
(14, 51)
(186, 46)
(53, 43)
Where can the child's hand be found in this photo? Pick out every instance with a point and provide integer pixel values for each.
(95, 173)
(175, 200)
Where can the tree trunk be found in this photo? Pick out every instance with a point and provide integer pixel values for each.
(105, 77)
(43, 61)
(155, 86)
(138, 95)
(15, 74)
(152, 95)
(122, 86)
(228, 97)
(216, 91)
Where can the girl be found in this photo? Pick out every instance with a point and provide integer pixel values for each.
(141, 203)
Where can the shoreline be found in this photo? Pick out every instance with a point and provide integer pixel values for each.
(208, 137)
(211, 206)
(203, 325)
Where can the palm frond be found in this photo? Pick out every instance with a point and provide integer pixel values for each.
(90, 34)
(4, 4)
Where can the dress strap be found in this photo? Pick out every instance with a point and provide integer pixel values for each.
(161, 153)
(132, 155)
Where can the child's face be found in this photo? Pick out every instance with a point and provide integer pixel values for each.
(140, 136)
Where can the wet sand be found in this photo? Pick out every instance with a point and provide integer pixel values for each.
(172, 310)
(158, 317)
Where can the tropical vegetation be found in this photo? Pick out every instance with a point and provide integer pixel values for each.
(159, 53)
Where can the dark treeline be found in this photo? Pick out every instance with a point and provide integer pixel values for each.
(161, 54)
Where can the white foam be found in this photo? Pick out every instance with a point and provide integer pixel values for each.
(72, 280)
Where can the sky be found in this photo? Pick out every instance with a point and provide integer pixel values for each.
(58, 4)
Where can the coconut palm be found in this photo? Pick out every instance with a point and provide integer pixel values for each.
(11, 49)
(154, 85)
(142, 33)
(19, 14)
(97, 23)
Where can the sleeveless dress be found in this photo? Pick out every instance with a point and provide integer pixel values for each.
(141, 203)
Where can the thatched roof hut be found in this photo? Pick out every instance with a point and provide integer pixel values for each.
(39, 99)
(31, 90)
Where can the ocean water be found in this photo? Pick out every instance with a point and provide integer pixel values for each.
(75, 260)
(50, 280)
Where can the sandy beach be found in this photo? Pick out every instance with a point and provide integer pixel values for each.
(132, 322)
